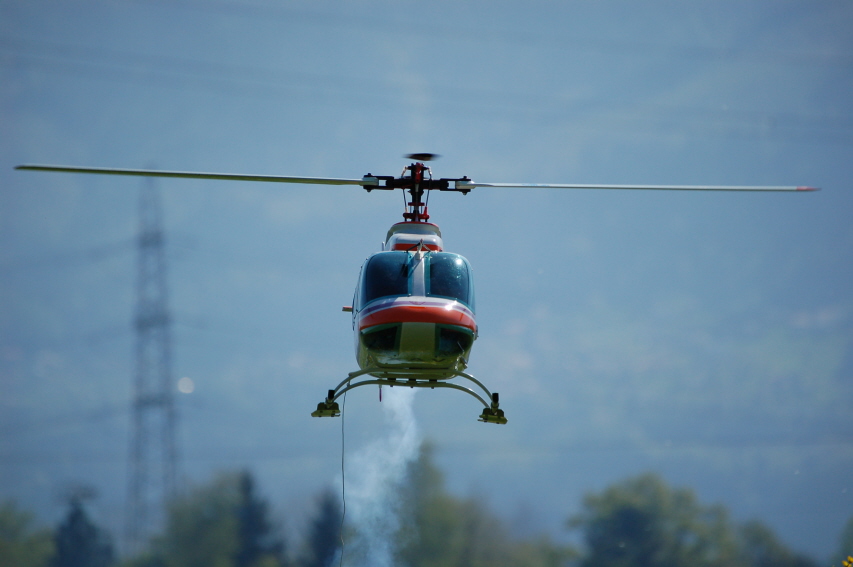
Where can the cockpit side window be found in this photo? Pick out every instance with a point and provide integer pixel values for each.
(450, 276)
(386, 274)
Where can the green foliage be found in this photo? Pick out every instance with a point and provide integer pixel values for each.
(79, 542)
(222, 524)
(440, 530)
(146, 559)
(642, 521)
(759, 547)
(845, 545)
(324, 538)
(20, 544)
(258, 545)
(201, 530)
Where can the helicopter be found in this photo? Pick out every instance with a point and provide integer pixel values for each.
(413, 310)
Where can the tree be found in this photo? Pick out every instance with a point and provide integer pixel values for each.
(257, 544)
(201, 528)
(642, 521)
(20, 544)
(222, 524)
(441, 530)
(324, 537)
(79, 543)
(759, 547)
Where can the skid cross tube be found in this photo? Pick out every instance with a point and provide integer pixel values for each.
(415, 377)
(410, 383)
(412, 378)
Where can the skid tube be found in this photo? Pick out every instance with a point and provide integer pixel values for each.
(411, 378)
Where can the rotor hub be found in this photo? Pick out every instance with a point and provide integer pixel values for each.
(417, 208)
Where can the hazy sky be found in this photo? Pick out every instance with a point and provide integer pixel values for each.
(706, 337)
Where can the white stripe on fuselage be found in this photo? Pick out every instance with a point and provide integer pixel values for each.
(413, 300)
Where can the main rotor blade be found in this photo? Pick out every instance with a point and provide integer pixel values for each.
(471, 184)
(200, 175)
(460, 184)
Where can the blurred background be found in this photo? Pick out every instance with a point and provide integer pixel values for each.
(702, 337)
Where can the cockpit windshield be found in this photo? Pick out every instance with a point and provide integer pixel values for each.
(449, 276)
(386, 274)
(438, 274)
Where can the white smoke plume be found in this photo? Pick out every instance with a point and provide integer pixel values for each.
(373, 478)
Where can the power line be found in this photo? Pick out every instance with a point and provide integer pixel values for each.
(243, 80)
(447, 30)
(67, 258)
(87, 416)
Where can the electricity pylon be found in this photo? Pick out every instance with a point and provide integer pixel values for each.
(153, 452)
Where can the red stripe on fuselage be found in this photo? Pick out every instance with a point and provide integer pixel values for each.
(410, 312)
(409, 246)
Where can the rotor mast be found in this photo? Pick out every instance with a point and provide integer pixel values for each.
(416, 190)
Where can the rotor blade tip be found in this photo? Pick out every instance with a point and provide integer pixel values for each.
(804, 188)
(423, 157)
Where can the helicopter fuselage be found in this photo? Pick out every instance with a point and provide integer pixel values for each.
(413, 308)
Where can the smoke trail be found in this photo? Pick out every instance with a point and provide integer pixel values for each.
(374, 475)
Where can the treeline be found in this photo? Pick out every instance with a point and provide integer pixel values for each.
(226, 523)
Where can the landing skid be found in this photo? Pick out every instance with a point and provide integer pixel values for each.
(411, 378)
